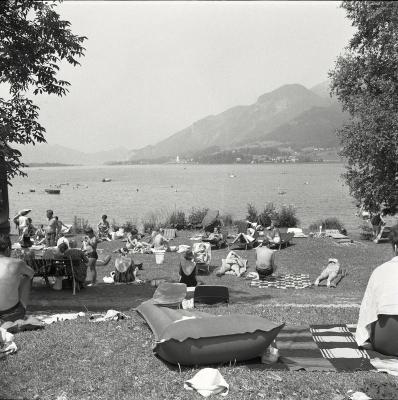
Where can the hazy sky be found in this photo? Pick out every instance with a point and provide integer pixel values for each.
(152, 69)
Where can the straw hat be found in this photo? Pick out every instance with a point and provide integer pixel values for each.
(24, 211)
(333, 260)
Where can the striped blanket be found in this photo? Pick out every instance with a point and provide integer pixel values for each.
(169, 233)
(287, 281)
(326, 348)
(322, 348)
(319, 348)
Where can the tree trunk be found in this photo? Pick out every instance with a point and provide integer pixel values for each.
(4, 206)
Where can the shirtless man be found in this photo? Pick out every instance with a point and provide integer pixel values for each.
(159, 241)
(51, 229)
(15, 281)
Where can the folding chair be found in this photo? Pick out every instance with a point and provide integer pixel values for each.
(202, 263)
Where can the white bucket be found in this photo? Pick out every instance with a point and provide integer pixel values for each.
(159, 256)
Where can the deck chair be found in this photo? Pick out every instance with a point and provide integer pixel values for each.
(286, 237)
(210, 295)
(169, 234)
(244, 241)
(202, 259)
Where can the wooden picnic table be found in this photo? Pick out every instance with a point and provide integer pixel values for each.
(45, 264)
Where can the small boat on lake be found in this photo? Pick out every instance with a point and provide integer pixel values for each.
(106, 179)
(53, 191)
(32, 190)
(281, 191)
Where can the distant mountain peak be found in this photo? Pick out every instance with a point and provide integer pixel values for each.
(292, 90)
(243, 125)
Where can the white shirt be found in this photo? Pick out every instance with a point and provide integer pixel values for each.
(63, 239)
(22, 221)
(381, 297)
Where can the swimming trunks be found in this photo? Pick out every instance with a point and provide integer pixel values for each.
(12, 314)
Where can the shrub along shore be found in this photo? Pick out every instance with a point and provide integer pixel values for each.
(285, 217)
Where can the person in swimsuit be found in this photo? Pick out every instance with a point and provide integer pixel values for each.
(90, 246)
(103, 228)
(51, 229)
(188, 269)
(15, 283)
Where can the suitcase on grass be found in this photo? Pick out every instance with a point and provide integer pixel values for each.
(210, 295)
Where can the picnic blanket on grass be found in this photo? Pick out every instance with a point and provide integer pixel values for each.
(320, 348)
(327, 348)
(286, 281)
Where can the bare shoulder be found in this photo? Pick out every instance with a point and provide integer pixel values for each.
(12, 264)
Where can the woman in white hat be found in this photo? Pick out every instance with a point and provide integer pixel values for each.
(21, 220)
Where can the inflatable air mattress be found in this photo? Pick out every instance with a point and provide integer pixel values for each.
(197, 338)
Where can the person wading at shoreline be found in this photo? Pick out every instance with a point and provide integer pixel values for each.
(15, 282)
(90, 246)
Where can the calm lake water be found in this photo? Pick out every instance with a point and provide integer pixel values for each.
(315, 190)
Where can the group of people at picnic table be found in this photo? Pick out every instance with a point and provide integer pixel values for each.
(378, 317)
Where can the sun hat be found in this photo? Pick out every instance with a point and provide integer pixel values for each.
(333, 260)
(25, 211)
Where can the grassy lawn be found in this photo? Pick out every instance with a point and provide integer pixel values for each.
(85, 360)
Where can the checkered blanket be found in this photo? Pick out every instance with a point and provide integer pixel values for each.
(321, 348)
(287, 281)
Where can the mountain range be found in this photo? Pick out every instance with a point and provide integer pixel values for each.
(291, 115)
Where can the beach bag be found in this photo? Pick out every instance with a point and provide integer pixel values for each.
(124, 270)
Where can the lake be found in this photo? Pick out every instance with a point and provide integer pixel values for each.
(316, 190)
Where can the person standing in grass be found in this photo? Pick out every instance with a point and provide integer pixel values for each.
(90, 244)
(377, 222)
(51, 229)
(21, 220)
(15, 283)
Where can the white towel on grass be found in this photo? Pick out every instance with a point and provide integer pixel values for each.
(208, 381)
